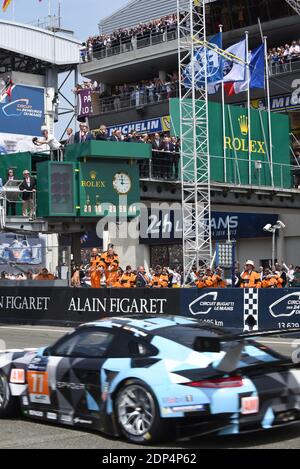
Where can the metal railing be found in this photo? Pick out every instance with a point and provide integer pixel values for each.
(165, 166)
(286, 66)
(131, 100)
(12, 206)
(101, 51)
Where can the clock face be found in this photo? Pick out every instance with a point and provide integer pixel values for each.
(122, 183)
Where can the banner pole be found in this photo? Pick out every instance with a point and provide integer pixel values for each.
(248, 106)
(223, 119)
(269, 109)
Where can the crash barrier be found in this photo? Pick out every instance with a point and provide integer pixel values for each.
(240, 309)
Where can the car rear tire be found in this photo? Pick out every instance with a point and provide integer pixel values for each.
(8, 404)
(138, 415)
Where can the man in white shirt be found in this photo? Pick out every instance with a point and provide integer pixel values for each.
(50, 140)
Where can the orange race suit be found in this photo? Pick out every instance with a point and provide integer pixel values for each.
(250, 279)
(95, 264)
(111, 265)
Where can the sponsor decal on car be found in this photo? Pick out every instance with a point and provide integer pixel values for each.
(183, 408)
(36, 413)
(51, 416)
(82, 421)
(72, 386)
(38, 387)
(66, 418)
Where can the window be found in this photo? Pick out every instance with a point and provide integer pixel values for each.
(85, 344)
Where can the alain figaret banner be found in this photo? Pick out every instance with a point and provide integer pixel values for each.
(22, 114)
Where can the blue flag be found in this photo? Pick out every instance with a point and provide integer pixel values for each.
(214, 64)
(257, 67)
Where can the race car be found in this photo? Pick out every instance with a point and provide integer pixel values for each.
(151, 378)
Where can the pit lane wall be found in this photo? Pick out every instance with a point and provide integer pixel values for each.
(233, 308)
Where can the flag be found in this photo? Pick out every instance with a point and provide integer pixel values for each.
(233, 69)
(5, 4)
(214, 64)
(257, 73)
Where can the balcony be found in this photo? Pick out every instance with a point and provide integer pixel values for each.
(156, 52)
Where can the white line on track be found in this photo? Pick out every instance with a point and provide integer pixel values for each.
(34, 329)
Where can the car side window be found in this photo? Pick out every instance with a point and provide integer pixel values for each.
(85, 344)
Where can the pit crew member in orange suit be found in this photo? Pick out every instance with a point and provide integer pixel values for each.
(249, 278)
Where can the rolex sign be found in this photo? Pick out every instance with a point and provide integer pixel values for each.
(240, 147)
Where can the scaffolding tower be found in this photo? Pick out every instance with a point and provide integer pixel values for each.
(194, 135)
(295, 4)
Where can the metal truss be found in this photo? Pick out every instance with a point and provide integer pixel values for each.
(295, 4)
(194, 134)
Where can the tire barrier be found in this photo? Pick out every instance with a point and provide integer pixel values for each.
(239, 309)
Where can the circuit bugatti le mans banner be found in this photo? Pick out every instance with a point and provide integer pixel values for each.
(21, 117)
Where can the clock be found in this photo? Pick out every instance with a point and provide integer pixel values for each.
(122, 183)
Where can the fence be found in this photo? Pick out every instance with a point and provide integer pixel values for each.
(135, 99)
(166, 166)
(237, 309)
(288, 66)
(101, 51)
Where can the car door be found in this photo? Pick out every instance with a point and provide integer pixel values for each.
(76, 377)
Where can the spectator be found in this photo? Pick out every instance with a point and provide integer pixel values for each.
(142, 280)
(157, 146)
(50, 140)
(70, 137)
(44, 275)
(296, 279)
(102, 134)
(10, 206)
(28, 189)
(79, 134)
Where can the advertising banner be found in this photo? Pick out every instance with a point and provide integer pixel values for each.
(164, 225)
(21, 250)
(279, 309)
(233, 308)
(21, 118)
(85, 107)
(220, 307)
(159, 124)
(241, 139)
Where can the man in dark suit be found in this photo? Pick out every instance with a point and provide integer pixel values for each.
(28, 189)
(10, 206)
(78, 135)
(102, 134)
(156, 155)
(86, 135)
(167, 158)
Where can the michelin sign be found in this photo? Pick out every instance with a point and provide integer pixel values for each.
(159, 124)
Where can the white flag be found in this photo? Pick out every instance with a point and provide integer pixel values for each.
(235, 70)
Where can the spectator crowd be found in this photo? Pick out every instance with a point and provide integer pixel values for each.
(124, 39)
(280, 57)
(104, 271)
(129, 95)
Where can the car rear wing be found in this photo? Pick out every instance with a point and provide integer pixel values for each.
(232, 357)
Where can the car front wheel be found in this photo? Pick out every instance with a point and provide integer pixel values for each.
(138, 414)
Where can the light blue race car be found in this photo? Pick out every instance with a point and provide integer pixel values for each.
(152, 378)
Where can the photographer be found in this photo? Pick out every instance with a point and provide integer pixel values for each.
(51, 141)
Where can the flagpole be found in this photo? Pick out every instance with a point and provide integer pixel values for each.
(248, 105)
(223, 119)
(269, 108)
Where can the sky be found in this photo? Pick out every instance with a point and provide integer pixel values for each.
(80, 16)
